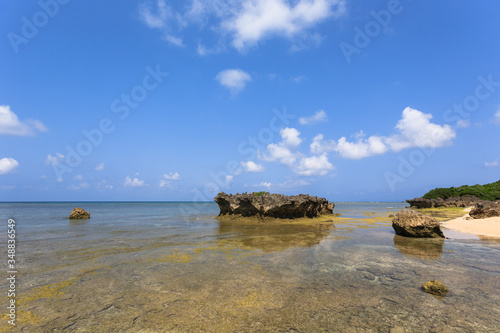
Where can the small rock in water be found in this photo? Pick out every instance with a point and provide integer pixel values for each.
(435, 287)
(414, 224)
(79, 213)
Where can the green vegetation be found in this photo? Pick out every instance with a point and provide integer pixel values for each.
(484, 192)
(259, 194)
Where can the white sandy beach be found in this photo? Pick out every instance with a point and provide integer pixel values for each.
(489, 227)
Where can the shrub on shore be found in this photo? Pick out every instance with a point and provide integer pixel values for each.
(489, 192)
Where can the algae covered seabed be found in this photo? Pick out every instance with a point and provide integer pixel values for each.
(156, 267)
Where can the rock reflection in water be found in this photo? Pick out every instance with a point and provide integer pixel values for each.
(422, 248)
(274, 236)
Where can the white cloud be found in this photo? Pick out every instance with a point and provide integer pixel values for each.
(264, 184)
(11, 125)
(320, 146)
(374, 145)
(260, 19)
(229, 179)
(291, 137)
(161, 18)
(78, 177)
(496, 117)
(8, 165)
(414, 129)
(246, 22)
(172, 176)
(136, 182)
(233, 79)
(283, 150)
(168, 178)
(100, 167)
(54, 160)
(319, 116)
(251, 166)
(59, 180)
(314, 166)
(279, 152)
(493, 164)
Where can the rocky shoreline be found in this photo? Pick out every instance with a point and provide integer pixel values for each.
(465, 201)
(264, 204)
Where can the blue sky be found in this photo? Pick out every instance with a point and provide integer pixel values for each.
(178, 100)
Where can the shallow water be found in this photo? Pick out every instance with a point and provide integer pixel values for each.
(155, 267)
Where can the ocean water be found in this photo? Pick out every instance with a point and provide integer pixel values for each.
(174, 267)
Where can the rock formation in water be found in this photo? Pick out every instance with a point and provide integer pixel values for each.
(78, 214)
(486, 209)
(273, 205)
(435, 287)
(439, 202)
(414, 224)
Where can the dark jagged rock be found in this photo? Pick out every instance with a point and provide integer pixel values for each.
(465, 201)
(484, 210)
(78, 214)
(414, 224)
(273, 205)
(435, 287)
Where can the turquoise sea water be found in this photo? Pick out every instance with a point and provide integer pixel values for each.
(156, 267)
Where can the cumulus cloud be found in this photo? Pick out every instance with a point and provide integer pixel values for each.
(260, 19)
(319, 116)
(251, 166)
(283, 150)
(100, 167)
(314, 166)
(245, 22)
(374, 145)
(8, 165)
(54, 160)
(414, 129)
(135, 182)
(233, 79)
(291, 137)
(319, 146)
(11, 125)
